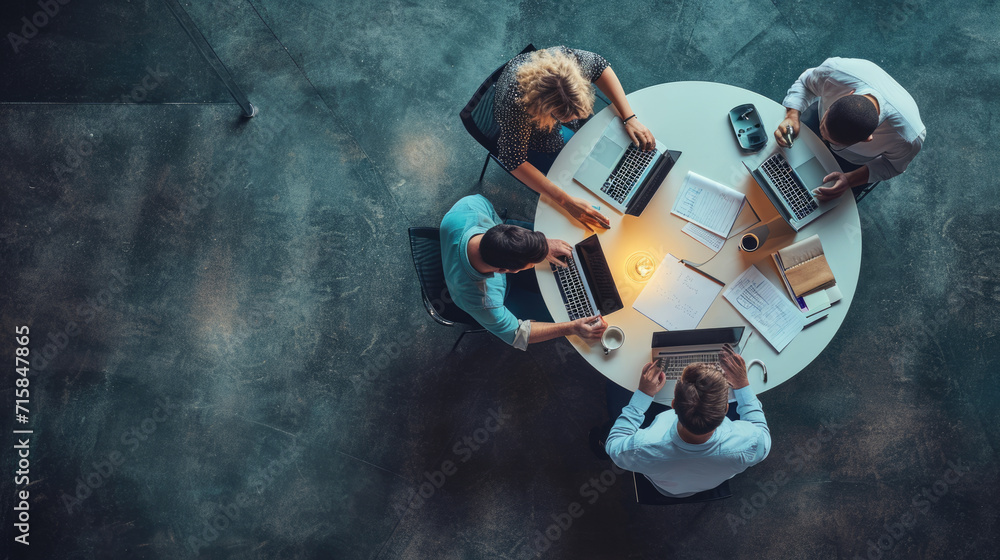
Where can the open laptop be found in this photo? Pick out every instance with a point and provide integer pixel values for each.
(790, 188)
(674, 350)
(621, 174)
(586, 284)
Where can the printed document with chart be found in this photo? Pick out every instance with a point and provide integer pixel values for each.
(774, 316)
(708, 204)
(676, 297)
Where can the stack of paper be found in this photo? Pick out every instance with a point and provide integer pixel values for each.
(676, 297)
(708, 204)
(767, 309)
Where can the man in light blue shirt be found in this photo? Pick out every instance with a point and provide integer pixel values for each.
(692, 447)
(868, 119)
(478, 251)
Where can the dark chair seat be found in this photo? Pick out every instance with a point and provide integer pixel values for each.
(425, 246)
(647, 494)
(477, 115)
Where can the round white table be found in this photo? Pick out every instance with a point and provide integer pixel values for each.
(692, 117)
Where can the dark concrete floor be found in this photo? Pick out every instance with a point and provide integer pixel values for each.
(236, 330)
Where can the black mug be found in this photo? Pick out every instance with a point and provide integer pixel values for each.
(749, 243)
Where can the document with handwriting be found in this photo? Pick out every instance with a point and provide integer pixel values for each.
(676, 297)
(708, 204)
(774, 316)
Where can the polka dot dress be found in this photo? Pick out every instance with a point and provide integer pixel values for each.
(518, 133)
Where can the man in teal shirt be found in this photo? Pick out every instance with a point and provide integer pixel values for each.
(478, 251)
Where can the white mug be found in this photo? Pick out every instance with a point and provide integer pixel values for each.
(612, 339)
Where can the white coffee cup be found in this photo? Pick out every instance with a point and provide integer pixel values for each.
(612, 339)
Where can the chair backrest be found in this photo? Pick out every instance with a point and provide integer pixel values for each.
(477, 115)
(425, 245)
(646, 493)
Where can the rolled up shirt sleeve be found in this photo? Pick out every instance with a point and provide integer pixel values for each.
(620, 444)
(749, 408)
(807, 89)
(895, 160)
(502, 323)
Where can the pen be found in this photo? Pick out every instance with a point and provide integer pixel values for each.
(703, 273)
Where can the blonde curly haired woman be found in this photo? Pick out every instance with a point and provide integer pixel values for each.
(537, 93)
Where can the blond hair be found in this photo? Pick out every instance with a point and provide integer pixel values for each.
(701, 397)
(554, 89)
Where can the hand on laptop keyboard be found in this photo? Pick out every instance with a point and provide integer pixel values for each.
(640, 135)
(840, 184)
(559, 251)
(652, 379)
(734, 367)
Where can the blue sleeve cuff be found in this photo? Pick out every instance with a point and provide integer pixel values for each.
(641, 401)
(744, 395)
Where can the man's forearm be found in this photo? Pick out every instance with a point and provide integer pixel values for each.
(857, 177)
(540, 332)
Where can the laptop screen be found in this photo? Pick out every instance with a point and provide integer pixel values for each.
(696, 337)
(598, 274)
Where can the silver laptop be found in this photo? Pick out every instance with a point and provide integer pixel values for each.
(790, 188)
(585, 284)
(674, 350)
(621, 174)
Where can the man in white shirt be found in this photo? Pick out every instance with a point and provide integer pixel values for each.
(866, 117)
(694, 446)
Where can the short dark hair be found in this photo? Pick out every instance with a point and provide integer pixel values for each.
(851, 119)
(701, 397)
(512, 247)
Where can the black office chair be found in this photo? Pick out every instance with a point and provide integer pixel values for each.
(477, 115)
(425, 245)
(647, 494)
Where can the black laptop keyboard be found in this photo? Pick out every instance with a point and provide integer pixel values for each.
(571, 288)
(626, 175)
(673, 366)
(776, 169)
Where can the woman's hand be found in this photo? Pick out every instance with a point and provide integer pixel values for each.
(585, 213)
(640, 135)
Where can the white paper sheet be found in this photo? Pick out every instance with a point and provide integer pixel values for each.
(774, 316)
(676, 297)
(705, 237)
(708, 204)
